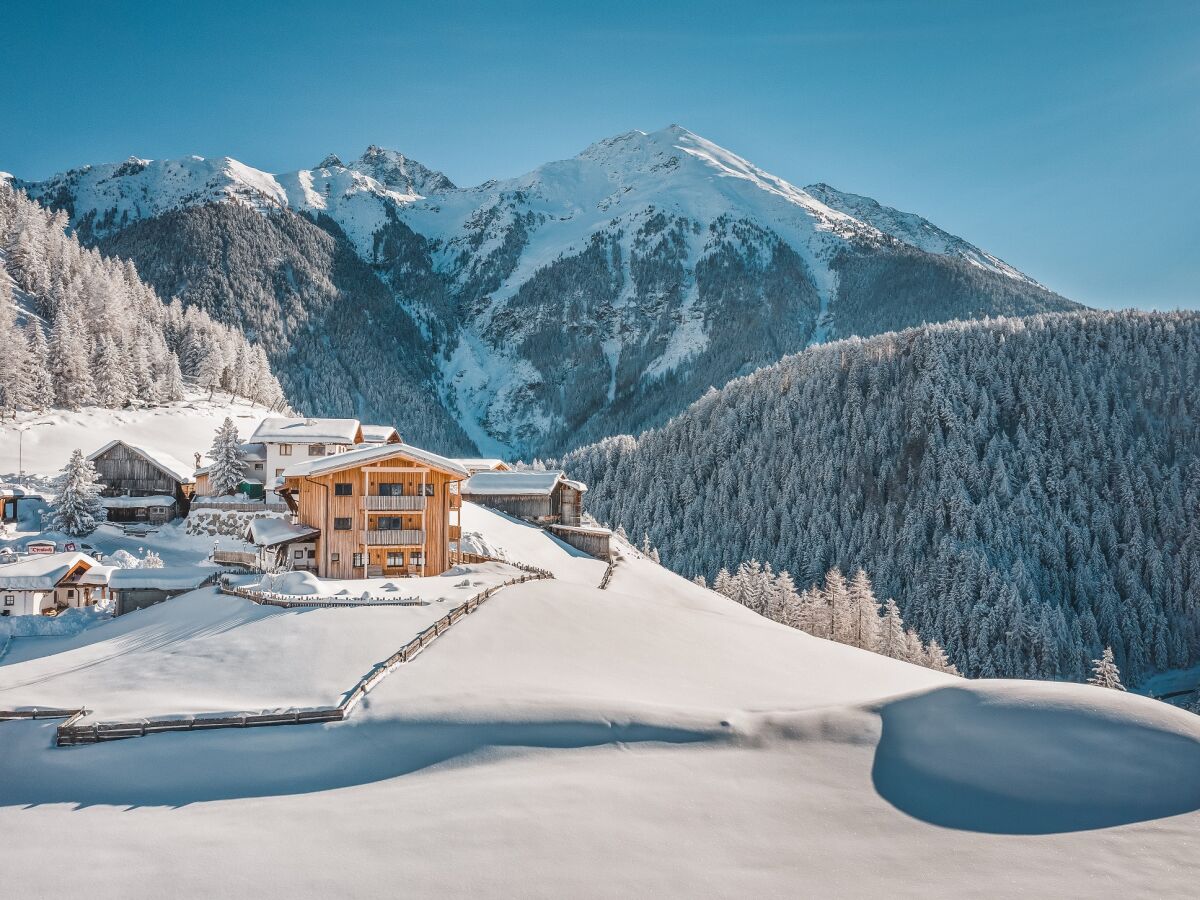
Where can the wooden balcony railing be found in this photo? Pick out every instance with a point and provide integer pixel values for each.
(400, 537)
(373, 502)
(455, 532)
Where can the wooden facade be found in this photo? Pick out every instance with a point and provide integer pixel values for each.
(389, 515)
(128, 471)
(562, 505)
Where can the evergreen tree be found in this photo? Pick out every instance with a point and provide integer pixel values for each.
(892, 641)
(76, 507)
(1105, 672)
(227, 467)
(39, 386)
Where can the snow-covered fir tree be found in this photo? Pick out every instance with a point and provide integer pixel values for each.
(1026, 489)
(79, 328)
(227, 467)
(76, 507)
(1105, 672)
(849, 612)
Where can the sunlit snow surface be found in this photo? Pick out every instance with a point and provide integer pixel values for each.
(651, 739)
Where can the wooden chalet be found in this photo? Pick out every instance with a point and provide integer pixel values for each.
(391, 509)
(142, 484)
(48, 583)
(546, 498)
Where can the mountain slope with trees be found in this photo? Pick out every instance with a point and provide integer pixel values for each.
(1028, 490)
(79, 329)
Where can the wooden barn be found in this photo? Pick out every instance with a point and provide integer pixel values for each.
(547, 498)
(379, 511)
(142, 484)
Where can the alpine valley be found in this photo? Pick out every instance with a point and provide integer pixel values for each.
(592, 296)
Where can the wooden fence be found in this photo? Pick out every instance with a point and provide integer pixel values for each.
(608, 573)
(70, 733)
(290, 601)
(247, 506)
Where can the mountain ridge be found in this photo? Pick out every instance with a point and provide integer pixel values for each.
(592, 295)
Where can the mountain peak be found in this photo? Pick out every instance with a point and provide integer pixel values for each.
(396, 171)
(331, 161)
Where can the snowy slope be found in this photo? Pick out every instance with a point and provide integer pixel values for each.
(45, 441)
(912, 229)
(651, 739)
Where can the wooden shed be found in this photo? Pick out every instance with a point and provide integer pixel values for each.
(142, 484)
(547, 498)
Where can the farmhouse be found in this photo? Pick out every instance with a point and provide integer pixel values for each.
(283, 544)
(382, 510)
(381, 434)
(547, 498)
(50, 583)
(288, 441)
(142, 484)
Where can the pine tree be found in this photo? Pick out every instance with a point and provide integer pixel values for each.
(112, 385)
(39, 386)
(76, 508)
(228, 468)
(1105, 672)
(14, 363)
(891, 631)
(69, 360)
(864, 611)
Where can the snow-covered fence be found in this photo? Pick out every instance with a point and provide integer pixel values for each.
(69, 733)
(247, 558)
(289, 601)
(608, 572)
(255, 506)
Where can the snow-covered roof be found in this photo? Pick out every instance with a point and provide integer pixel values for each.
(380, 434)
(482, 465)
(270, 532)
(253, 451)
(165, 578)
(43, 572)
(136, 502)
(15, 490)
(180, 471)
(279, 430)
(496, 484)
(352, 458)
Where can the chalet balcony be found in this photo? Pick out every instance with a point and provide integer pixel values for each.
(376, 503)
(398, 537)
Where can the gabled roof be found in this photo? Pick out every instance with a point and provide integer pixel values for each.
(280, 430)
(483, 465)
(273, 531)
(352, 458)
(380, 434)
(177, 469)
(41, 573)
(516, 484)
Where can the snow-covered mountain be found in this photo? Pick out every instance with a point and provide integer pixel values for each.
(590, 296)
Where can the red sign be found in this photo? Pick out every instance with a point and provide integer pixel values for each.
(40, 548)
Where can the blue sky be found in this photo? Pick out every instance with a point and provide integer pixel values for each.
(1061, 136)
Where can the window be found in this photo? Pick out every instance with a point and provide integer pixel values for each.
(389, 523)
(395, 560)
(428, 486)
(71, 594)
(416, 558)
(312, 554)
(278, 473)
(343, 489)
(285, 449)
(316, 449)
(358, 561)
(10, 600)
(341, 524)
(335, 557)
(299, 554)
(395, 489)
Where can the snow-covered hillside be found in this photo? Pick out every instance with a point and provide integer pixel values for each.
(648, 739)
(590, 296)
(42, 443)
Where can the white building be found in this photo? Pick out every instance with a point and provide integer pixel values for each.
(291, 441)
(51, 582)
